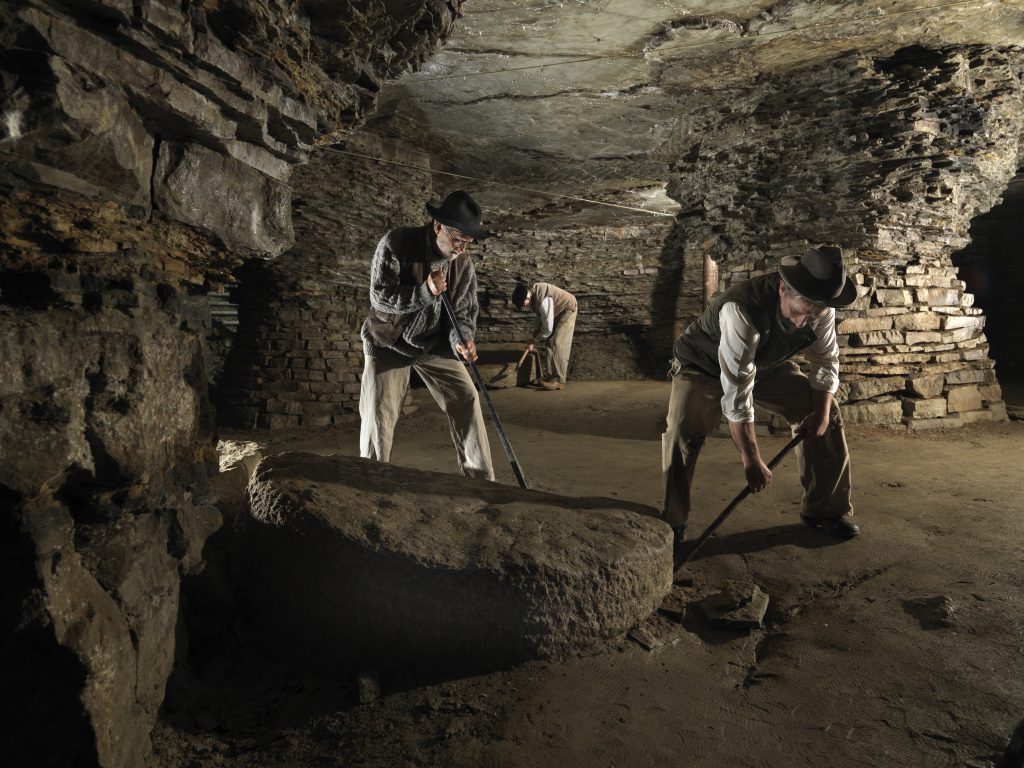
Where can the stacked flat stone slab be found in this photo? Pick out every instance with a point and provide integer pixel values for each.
(890, 157)
(347, 563)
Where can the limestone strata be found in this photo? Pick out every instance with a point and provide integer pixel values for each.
(145, 149)
(104, 446)
(348, 561)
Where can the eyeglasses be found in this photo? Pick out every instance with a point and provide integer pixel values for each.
(457, 238)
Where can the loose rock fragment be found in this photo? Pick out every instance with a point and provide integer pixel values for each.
(642, 638)
(737, 606)
(932, 612)
(369, 686)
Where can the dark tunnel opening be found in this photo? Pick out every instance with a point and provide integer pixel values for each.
(992, 267)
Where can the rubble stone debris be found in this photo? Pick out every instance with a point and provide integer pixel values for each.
(739, 605)
(932, 612)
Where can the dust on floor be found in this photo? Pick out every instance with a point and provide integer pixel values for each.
(902, 647)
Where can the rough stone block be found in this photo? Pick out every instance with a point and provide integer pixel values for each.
(968, 376)
(956, 321)
(876, 338)
(868, 388)
(893, 297)
(883, 413)
(991, 392)
(964, 399)
(863, 324)
(924, 409)
(917, 321)
(938, 297)
(350, 561)
(998, 411)
(916, 338)
(959, 335)
(926, 386)
(243, 207)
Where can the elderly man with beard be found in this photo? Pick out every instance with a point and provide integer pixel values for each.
(408, 329)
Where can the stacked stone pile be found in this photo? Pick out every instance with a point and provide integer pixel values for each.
(914, 351)
(297, 356)
(890, 157)
(912, 347)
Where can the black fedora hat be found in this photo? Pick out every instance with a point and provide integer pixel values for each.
(461, 212)
(819, 275)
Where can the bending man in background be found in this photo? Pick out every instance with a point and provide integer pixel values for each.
(556, 320)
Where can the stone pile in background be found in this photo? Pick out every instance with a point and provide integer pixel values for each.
(890, 157)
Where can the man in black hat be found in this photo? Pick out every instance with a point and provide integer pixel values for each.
(738, 353)
(408, 328)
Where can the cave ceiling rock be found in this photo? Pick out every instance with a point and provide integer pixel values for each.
(583, 95)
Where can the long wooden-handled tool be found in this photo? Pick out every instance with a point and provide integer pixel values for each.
(487, 398)
(522, 357)
(740, 497)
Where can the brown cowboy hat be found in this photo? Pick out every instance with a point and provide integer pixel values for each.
(820, 276)
(461, 212)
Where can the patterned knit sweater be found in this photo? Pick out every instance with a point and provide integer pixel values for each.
(407, 323)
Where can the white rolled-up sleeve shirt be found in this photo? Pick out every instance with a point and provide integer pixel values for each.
(547, 320)
(737, 349)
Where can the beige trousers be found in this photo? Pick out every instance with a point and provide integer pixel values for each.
(695, 410)
(558, 346)
(380, 403)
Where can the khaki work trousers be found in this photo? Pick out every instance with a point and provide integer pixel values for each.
(695, 410)
(380, 403)
(558, 346)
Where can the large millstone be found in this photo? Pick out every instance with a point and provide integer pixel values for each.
(347, 562)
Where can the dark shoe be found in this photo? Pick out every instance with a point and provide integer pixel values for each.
(552, 384)
(840, 527)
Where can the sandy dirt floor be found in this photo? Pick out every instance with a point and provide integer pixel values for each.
(903, 647)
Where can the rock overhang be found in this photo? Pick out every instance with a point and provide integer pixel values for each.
(596, 99)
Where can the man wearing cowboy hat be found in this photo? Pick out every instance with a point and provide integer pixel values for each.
(738, 353)
(407, 328)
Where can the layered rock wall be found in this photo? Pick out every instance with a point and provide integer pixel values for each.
(145, 148)
(891, 157)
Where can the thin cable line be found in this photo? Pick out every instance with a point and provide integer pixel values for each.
(701, 43)
(497, 183)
